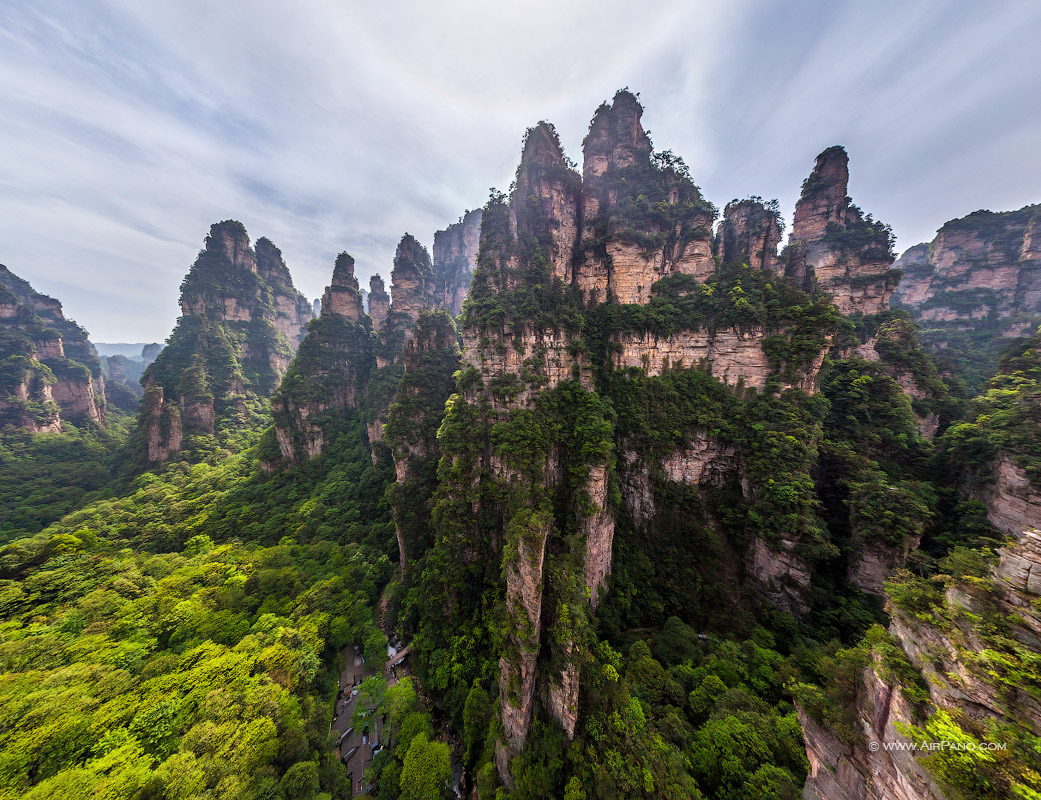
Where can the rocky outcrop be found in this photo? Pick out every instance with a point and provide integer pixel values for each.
(329, 372)
(241, 323)
(984, 264)
(749, 234)
(123, 381)
(412, 280)
(49, 370)
(1013, 504)
(431, 359)
(734, 356)
(77, 397)
(343, 296)
(890, 771)
(834, 248)
(975, 288)
(379, 302)
(454, 259)
(674, 232)
(292, 310)
(781, 575)
(964, 646)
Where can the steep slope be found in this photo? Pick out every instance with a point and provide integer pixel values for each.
(975, 287)
(241, 320)
(749, 234)
(431, 359)
(49, 370)
(960, 662)
(633, 416)
(329, 372)
(347, 362)
(454, 258)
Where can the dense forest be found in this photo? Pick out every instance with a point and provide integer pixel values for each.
(663, 511)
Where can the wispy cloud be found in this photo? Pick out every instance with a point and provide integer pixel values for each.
(127, 127)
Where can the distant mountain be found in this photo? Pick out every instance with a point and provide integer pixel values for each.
(241, 322)
(975, 288)
(125, 349)
(49, 370)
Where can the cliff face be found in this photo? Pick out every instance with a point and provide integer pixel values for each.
(985, 263)
(241, 322)
(833, 247)
(975, 286)
(329, 372)
(352, 362)
(749, 234)
(454, 259)
(692, 357)
(292, 311)
(967, 638)
(638, 224)
(379, 302)
(412, 280)
(49, 370)
(431, 359)
(123, 382)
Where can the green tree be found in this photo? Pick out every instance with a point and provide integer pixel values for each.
(426, 769)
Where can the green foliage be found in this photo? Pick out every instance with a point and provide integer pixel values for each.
(412, 424)
(425, 770)
(46, 475)
(868, 238)
(734, 297)
(194, 672)
(969, 769)
(1006, 418)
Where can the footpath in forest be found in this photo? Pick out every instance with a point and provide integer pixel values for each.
(357, 743)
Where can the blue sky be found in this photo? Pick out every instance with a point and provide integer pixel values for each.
(126, 128)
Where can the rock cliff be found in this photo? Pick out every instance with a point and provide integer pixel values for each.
(834, 247)
(956, 666)
(241, 321)
(975, 287)
(352, 362)
(600, 292)
(642, 218)
(454, 259)
(379, 302)
(431, 359)
(750, 234)
(49, 370)
(329, 372)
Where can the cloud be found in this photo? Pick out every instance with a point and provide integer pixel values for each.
(326, 125)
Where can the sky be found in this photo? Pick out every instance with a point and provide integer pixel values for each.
(128, 128)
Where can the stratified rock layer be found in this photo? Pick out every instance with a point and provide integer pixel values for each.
(833, 247)
(749, 234)
(582, 285)
(49, 370)
(241, 321)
